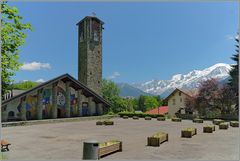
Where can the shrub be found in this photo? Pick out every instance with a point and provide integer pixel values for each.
(142, 115)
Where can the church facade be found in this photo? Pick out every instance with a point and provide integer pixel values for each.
(65, 96)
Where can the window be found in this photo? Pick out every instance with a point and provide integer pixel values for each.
(180, 99)
(174, 101)
(95, 36)
(180, 93)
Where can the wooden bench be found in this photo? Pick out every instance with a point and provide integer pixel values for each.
(4, 145)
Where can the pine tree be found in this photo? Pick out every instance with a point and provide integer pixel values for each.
(233, 82)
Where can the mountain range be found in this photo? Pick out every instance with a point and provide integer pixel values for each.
(189, 81)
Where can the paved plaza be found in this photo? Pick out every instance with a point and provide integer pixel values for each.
(65, 140)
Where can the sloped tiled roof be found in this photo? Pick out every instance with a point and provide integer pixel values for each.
(159, 110)
(189, 93)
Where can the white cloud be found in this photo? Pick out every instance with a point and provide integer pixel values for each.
(40, 80)
(35, 66)
(229, 37)
(114, 75)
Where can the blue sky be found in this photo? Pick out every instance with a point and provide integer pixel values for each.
(141, 41)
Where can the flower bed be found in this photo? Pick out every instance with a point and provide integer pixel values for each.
(157, 139)
(161, 118)
(223, 125)
(125, 117)
(234, 123)
(135, 117)
(196, 120)
(176, 119)
(109, 147)
(188, 132)
(108, 122)
(148, 118)
(99, 123)
(217, 121)
(208, 128)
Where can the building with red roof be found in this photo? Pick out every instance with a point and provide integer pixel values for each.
(158, 110)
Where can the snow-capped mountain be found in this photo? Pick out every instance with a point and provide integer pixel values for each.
(190, 80)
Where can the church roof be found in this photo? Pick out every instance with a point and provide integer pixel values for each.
(75, 84)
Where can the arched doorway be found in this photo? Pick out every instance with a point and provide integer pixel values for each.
(59, 115)
(44, 114)
(11, 114)
(28, 115)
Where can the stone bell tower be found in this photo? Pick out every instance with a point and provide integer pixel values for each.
(90, 52)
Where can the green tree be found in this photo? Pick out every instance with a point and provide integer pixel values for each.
(109, 89)
(141, 103)
(150, 103)
(233, 82)
(111, 92)
(24, 85)
(12, 37)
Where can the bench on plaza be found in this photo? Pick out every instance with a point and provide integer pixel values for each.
(4, 145)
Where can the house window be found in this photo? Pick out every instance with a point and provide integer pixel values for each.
(180, 93)
(174, 101)
(180, 99)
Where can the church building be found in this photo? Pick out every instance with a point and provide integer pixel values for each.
(65, 96)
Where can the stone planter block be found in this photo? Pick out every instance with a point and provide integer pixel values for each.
(157, 139)
(217, 121)
(161, 118)
(234, 123)
(223, 126)
(188, 132)
(208, 129)
(175, 119)
(105, 150)
(198, 120)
